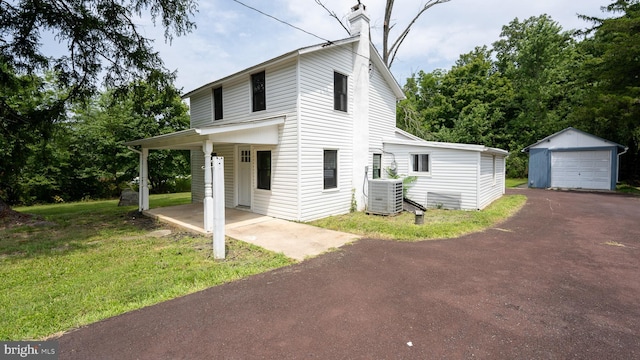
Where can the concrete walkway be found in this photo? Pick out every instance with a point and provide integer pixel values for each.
(295, 240)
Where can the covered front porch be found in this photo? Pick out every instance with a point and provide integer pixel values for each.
(251, 132)
(295, 240)
(261, 132)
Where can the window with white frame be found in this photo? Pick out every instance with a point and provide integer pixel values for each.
(340, 91)
(217, 103)
(330, 169)
(258, 87)
(377, 166)
(264, 169)
(420, 163)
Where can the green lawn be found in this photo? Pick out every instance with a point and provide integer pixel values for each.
(93, 261)
(628, 189)
(515, 182)
(438, 224)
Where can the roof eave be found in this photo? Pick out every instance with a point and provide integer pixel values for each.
(451, 146)
(526, 149)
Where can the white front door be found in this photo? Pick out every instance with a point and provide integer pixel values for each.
(244, 176)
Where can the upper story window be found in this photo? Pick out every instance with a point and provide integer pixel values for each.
(420, 163)
(217, 103)
(340, 91)
(259, 95)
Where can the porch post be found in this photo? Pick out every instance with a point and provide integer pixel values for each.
(218, 208)
(207, 148)
(143, 191)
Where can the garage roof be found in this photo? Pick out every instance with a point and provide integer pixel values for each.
(548, 138)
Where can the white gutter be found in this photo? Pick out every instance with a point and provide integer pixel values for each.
(618, 164)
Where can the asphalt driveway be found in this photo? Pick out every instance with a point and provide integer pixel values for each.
(559, 280)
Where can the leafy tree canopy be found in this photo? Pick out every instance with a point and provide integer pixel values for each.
(100, 44)
(536, 80)
(100, 38)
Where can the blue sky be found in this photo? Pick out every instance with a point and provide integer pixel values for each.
(231, 37)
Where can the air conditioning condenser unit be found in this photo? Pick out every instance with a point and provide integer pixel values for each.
(385, 196)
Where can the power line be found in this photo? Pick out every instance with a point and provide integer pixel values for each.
(329, 42)
(282, 21)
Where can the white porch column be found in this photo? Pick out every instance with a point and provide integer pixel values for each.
(218, 208)
(207, 148)
(143, 191)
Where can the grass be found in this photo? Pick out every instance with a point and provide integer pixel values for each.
(93, 260)
(438, 224)
(515, 182)
(628, 189)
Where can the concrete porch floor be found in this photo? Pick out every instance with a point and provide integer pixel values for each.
(294, 240)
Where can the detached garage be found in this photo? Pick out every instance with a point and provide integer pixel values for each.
(574, 159)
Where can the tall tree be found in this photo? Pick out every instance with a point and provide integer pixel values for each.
(538, 57)
(101, 127)
(100, 39)
(611, 79)
(465, 104)
(30, 107)
(86, 157)
(390, 46)
(509, 100)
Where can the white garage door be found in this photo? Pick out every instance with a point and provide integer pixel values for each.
(581, 169)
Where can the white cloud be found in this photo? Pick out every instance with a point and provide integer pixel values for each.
(231, 37)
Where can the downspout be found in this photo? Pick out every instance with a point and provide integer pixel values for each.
(299, 140)
(618, 164)
(478, 187)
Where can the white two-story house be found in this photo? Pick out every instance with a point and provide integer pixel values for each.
(302, 133)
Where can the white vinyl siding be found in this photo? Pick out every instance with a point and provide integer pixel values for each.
(382, 115)
(200, 109)
(453, 173)
(382, 110)
(281, 200)
(227, 151)
(322, 128)
(197, 176)
(491, 182)
(281, 86)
